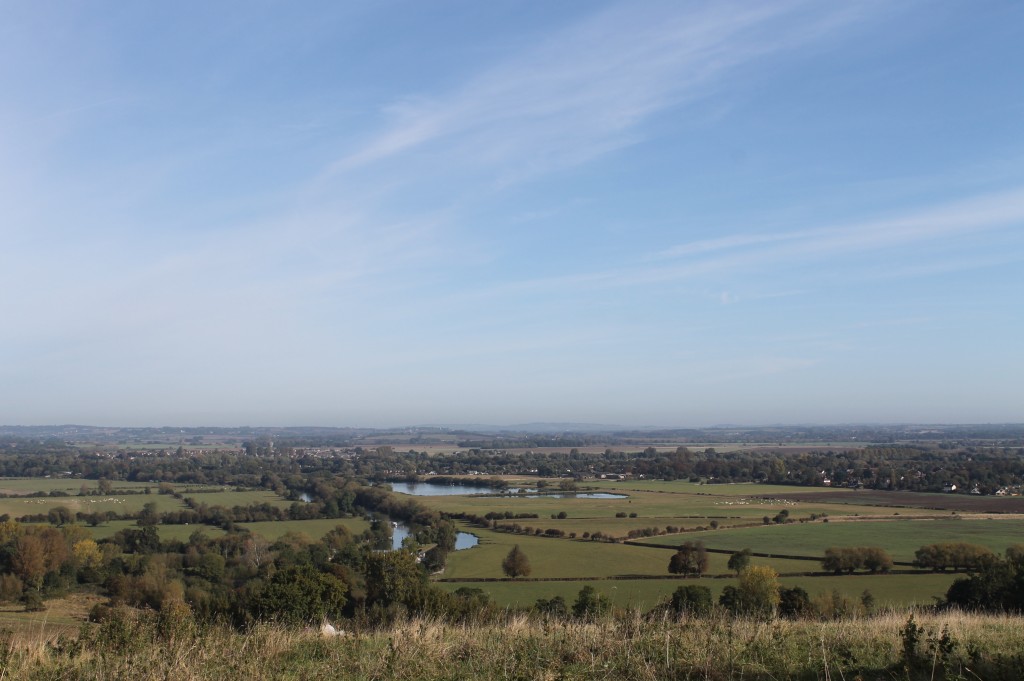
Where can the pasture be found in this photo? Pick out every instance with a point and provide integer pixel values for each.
(565, 558)
(166, 532)
(229, 498)
(899, 537)
(314, 529)
(71, 486)
(888, 590)
(17, 507)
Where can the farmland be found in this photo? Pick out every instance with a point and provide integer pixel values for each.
(631, 573)
(314, 529)
(888, 590)
(166, 532)
(116, 503)
(637, 522)
(899, 537)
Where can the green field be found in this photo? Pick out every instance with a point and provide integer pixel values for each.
(646, 504)
(899, 537)
(230, 498)
(166, 532)
(741, 489)
(68, 485)
(646, 593)
(566, 558)
(117, 503)
(314, 529)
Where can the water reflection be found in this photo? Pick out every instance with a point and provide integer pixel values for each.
(463, 540)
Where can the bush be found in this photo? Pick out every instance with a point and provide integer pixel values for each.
(300, 595)
(691, 599)
(33, 601)
(794, 603)
(590, 603)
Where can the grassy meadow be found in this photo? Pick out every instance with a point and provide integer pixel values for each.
(888, 590)
(899, 537)
(314, 529)
(166, 532)
(516, 647)
(117, 503)
(66, 485)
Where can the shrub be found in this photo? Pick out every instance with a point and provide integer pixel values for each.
(691, 599)
(301, 595)
(794, 603)
(590, 603)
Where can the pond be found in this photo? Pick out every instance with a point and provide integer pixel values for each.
(577, 495)
(429, 489)
(463, 540)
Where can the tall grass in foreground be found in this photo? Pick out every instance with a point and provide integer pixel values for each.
(888, 646)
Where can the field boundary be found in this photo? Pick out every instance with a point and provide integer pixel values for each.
(816, 559)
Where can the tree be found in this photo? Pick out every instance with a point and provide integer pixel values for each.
(955, 555)
(757, 592)
(692, 599)
(590, 603)
(60, 515)
(300, 595)
(435, 559)
(555, 607)
(149, 514)
(87, 554)
(516, 564)
(29, 561)
(794, 602)
(690, 559)
(393, 577)
(876, 559)
(739, 561)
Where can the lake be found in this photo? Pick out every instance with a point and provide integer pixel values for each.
(429, 489)
(463, 540)
(577, 495)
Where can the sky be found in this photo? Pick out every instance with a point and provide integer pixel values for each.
(393, 213)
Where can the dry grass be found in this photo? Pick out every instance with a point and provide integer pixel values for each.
(625, 647)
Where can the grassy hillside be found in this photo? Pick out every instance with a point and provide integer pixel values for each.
(947, 646)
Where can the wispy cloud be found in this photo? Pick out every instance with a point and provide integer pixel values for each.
(585, 90)
(742, 252)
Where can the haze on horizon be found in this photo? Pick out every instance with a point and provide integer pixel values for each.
(370, 214)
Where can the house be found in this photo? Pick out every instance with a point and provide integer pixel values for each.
(949, 487)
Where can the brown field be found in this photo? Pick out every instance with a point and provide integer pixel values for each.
(61, 615)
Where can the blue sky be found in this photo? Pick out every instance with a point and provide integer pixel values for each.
(386, 213)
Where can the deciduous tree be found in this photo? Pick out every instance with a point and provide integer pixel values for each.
(516, 564)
